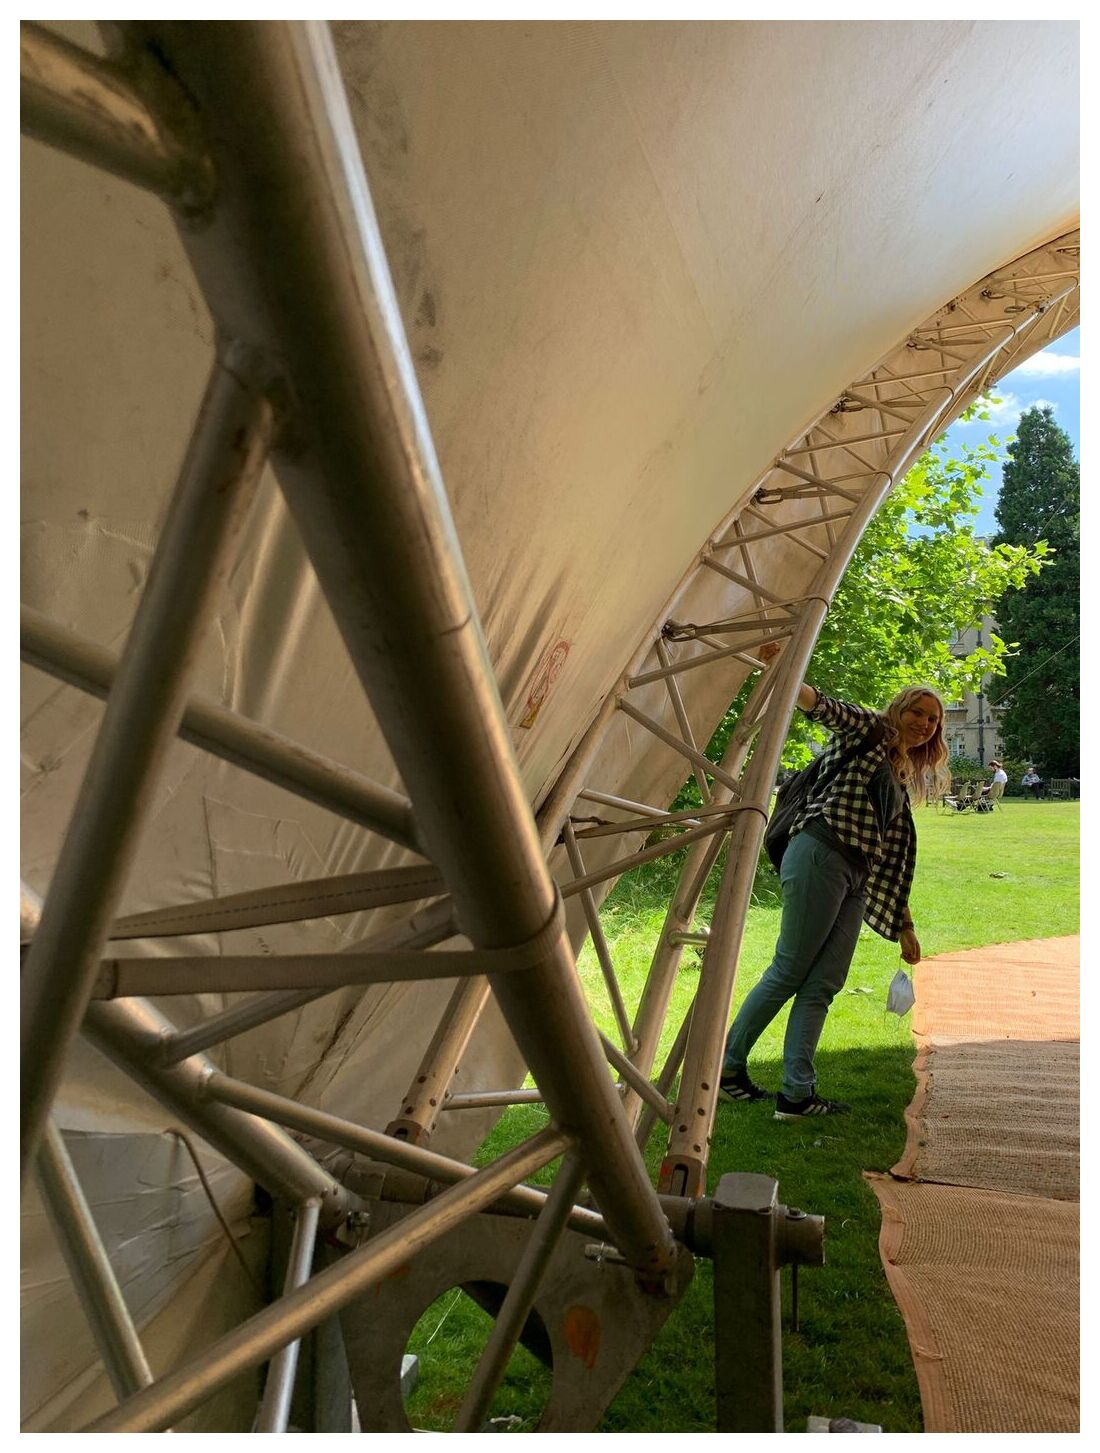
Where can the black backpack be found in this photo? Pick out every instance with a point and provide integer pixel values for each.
(791, 797)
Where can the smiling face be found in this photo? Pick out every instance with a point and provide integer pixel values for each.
(918, 722)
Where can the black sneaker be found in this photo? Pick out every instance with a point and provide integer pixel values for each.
(812, 1105)
(738, 1086)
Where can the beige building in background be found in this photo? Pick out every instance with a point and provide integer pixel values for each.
(971, 726)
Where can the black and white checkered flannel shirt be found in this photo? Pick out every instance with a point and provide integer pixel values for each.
(845, 805)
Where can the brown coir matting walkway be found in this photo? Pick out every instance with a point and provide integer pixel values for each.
(980, 1216)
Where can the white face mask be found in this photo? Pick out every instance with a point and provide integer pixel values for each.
(900, 997)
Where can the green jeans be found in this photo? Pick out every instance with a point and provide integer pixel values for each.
(822, 913)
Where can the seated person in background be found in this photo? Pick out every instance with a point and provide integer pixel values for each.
(1032, 780)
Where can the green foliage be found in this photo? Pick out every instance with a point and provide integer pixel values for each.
(663, 875)
(905, 596)
(1039, 507)
(967, 769)
(919, 577)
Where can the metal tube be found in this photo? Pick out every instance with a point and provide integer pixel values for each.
(808, 523)
(677, 668)
(792, 535)
(599, 941)
(90, 1267)
(830, 527)
(431, 1084)
(823, 517)
(846, 447)
(431, 926)
(667, 954)
(259, 1009)
(673, 688)
(367, 495)
(751, 574)
(559, 800)
(858, 439)
(129, 1034)
(684, 1168)
(696, 869)
(826, 486)
(647, 855)
(605, 799)
(93, 109)
(193, 557)
(326, 1293)
(678, 745)
(637, 1082)
(683, 1171)
(1056, 317)
(754, 619)
(690, 817)
(240, 973)
(30, 911)
(558, 803)
(907, 378)
(892, 407)
(274, 1413)
(490, 1099)
(231, 737)
(520, 1298)
(330, 1128)
(950, 329)
(743, 581)
(284, 903)
(671, 1067)
(774, 494)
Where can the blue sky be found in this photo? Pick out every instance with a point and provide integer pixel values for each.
(1050, 377)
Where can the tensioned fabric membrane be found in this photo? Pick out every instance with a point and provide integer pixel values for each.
(635, 262)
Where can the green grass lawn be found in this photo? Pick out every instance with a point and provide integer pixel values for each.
(980, 880)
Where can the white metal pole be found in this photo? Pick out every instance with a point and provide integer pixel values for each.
(274, 1413)
(90, 1268)
(193, 557)
(171, 1397)
(367, 495)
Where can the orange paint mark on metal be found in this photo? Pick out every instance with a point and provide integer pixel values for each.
(582, 1334)
(395, 1275)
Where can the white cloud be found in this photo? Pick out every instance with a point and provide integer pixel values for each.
(1049, 365)
(1005, 414)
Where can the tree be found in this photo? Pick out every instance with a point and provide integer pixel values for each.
(1040, 502)
(919, 576)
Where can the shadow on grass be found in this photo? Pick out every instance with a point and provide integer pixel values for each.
(850, 1356)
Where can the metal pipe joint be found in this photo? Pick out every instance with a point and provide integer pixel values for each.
(799, 1237)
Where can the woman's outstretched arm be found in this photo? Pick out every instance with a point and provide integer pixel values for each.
(807, 694)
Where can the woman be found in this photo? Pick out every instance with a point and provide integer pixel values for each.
(850, 858)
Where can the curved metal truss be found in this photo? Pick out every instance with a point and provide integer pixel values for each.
(243, 130)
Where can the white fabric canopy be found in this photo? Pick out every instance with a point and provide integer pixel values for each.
(634, 260)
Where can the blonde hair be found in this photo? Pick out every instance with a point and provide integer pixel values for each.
(923, 770)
